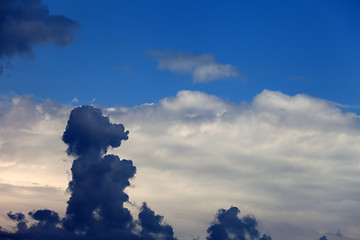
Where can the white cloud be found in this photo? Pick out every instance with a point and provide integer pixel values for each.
(75, 100)
(292, 161)
(203, 67)
(32, 156)
(213, 71)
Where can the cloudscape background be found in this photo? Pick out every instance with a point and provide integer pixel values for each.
(252, 104)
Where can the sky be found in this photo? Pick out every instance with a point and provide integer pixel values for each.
(247, 106)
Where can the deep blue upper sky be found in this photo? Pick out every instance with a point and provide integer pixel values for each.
(309, 47)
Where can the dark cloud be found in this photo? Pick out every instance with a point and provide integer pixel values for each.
(45, 227)
(323, 238)
(88, 132)
(25, 24)
(16, 216)
(96, 206)
(265, 237)
(151, 225)
(45, 217)
(20, 219)
(228, 226)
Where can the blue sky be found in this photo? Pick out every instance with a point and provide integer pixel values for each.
(294, 47)
(248, 104)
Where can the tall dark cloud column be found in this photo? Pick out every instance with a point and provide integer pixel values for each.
(96, 206)
(98, 182)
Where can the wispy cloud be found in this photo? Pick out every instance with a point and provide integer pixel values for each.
(203, 67)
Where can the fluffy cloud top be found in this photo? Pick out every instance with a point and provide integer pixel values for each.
(292, 161)
(203, 67)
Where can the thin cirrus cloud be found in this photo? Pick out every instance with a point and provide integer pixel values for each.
(203, 67)
(27, 24)
(292, 161)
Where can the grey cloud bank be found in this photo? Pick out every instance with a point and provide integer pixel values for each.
(292, 161)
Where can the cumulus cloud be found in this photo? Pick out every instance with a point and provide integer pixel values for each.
(203, 67)
(25, 24)
(96, 207)
(292, 161)
(293, 157)
(228, 226)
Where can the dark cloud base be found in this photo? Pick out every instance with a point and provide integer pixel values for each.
(96, 206)
(25, 24)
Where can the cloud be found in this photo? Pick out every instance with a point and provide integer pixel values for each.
(26, 24)
(213, 71)
(98, 182)
(88, 131)
(203, 67)
(228, 226)
(284, 156)
(292, 161)
(152, 227)
(96, 207)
